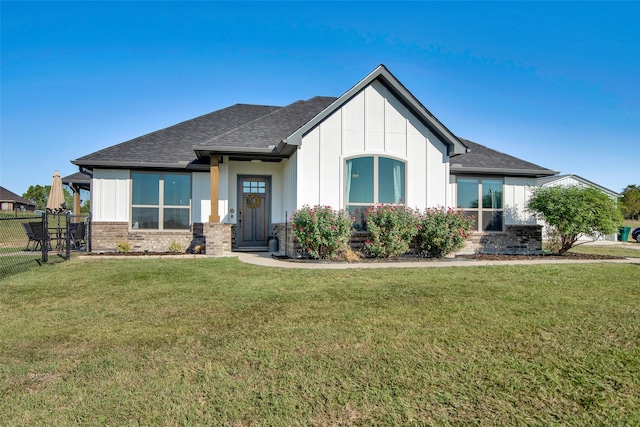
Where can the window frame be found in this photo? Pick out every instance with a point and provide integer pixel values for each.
(480, 211)
(376, 184)
(160, 206)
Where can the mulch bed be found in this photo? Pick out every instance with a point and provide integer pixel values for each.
(568, 256)
(405, 258)
(477, 257)
(136, 254)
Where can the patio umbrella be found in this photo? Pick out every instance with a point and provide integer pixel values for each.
(56, 203)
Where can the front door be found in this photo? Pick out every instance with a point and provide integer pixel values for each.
(253, 218)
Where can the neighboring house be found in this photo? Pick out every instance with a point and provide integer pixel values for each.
(234, 176)
(572, 179)
(10, 201)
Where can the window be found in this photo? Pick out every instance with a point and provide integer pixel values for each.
(160, 201)
(373, 180)
(482, 198)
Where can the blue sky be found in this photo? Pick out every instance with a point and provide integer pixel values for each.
(557, 84)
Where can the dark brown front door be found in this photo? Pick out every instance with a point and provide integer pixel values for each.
(253, 220)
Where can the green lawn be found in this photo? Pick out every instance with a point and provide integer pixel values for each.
(215, 342)
(613, 250)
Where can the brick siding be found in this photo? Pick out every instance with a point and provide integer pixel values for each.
(106, 235)
(516, 239)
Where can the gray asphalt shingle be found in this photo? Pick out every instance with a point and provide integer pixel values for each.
(481, 157)
(174, 144)
(259, 127)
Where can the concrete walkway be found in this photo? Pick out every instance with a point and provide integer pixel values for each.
(265, 259)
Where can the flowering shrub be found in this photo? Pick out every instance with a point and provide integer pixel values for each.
(443, 231)
(391, 229)
(321, 231)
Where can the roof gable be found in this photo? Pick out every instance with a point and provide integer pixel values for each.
(579, 179)
(382, 74)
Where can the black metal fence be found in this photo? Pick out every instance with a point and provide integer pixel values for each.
(29, 240)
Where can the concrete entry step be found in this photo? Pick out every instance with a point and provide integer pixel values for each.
(252, 249)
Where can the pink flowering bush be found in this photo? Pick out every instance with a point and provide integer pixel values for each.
(443, 231)
(391, 229)
(322, 232)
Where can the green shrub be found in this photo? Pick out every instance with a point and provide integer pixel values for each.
(391, 229)
(123, 246)
(574, 210)
(175, 247)
(322, 232)
(443, 231)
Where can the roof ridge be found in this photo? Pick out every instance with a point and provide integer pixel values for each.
(229, 132)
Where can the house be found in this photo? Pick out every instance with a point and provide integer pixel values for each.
(10, 201)
(572, 179)
(234, 176)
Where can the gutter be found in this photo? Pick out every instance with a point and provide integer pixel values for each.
(498, 171)
(86, 166)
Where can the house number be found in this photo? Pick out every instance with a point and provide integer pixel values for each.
(253, 201)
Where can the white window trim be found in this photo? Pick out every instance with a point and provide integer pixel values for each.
(375, 202)
(160, 206)
(480, 210)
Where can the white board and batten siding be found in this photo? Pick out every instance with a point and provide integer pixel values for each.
(517, 192)
(373, 122)
(110, 195)
(229, 187)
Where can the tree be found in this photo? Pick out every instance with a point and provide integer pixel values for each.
(85, 209)
(630, 202)
(39, 195)
(574, 210)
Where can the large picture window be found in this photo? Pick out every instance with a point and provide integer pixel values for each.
(160, 201)
(483, 199)
(372, 180)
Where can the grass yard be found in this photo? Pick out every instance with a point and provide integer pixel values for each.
(625, 252)
(216, 342)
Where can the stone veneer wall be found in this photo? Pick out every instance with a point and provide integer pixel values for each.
(516, 239)
(218, 238)
(106, 235)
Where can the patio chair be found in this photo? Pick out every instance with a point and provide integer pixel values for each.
(79, 235)
(32, 238)
(40, 235)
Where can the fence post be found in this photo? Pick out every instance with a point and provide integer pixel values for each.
(45, 241)
(87, 244)
(67, 237)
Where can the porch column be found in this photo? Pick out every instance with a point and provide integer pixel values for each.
(76, 202)
(214, 174)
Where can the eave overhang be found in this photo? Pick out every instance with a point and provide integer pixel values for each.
(90, 165)
(275, 152)
(533, 173)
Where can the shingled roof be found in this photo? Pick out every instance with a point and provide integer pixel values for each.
(173, 146)
(267, 131)
(10, 196)
(262, 132)
(483, 160)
